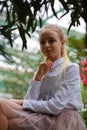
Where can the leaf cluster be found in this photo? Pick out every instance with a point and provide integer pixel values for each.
(77, 10)
(23, 15)
(5, 54)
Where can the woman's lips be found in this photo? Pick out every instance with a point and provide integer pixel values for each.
(48, 51)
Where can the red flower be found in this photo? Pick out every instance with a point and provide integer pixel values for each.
(84, 81)
(84, 62)
(85, 69)
(83, 76)
(83, 72)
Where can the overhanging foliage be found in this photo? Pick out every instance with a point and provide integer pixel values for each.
(22, 15)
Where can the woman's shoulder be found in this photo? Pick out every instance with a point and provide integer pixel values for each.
(72, 67)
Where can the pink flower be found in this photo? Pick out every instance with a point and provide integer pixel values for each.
(84, 62)
(84, 77)
(85, 69)
(84, 81)
(83, 72)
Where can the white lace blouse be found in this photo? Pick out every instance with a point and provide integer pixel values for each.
(55, 92)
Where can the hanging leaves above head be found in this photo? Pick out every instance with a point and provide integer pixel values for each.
(20, 15)
(23, 15)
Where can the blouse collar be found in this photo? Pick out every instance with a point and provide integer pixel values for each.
(56, 67)
(58, 62)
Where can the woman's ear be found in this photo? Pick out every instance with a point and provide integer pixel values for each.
(62, 47)
(63, 42)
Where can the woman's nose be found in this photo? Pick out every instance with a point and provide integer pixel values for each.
(46, 44)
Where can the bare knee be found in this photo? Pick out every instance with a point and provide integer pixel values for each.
(1, 110)
(2, 102)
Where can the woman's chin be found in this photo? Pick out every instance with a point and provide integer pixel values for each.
(52, 58)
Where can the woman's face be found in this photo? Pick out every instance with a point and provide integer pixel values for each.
(50, 44)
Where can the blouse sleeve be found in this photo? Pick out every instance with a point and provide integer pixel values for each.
(33, 91)
(67, 90)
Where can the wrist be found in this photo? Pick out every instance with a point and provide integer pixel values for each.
(38, 77)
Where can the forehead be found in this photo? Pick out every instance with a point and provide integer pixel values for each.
(48, 33)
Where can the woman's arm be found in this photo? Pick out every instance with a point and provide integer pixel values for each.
(33, 90)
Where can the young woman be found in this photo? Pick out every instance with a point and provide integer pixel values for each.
(53, 100)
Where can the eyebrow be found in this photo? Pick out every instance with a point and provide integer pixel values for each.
(50, 37)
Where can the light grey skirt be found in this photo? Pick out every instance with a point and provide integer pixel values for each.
(18, 119)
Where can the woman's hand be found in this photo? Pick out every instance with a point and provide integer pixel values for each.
(44, 67)
(18, 101)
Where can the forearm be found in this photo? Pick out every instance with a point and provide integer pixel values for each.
(34, 90)
(38, 76)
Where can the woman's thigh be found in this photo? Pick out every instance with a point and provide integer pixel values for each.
(9, 108)
(15, 124)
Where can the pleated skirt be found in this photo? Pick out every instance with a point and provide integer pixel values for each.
(18, 119)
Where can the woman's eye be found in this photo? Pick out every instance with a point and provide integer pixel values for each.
(42, 42)
(51, 41)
